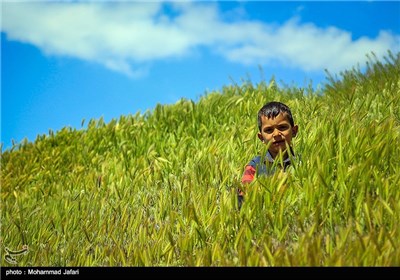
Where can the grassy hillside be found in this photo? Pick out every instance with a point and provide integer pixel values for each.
(159, 189)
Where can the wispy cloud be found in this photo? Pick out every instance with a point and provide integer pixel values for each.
(128, 37)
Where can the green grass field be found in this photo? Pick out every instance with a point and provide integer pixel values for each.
(159, 188)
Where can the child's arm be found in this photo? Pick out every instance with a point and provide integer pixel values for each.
(248, 174)
(247, 178)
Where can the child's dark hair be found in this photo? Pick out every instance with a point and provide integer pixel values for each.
(273, 109)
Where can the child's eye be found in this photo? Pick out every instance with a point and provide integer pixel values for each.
(268, 130)
(283, 127)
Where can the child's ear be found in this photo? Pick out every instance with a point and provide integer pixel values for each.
(260, 137)
(294, 130)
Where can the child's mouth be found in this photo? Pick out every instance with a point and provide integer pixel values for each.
(279, 143)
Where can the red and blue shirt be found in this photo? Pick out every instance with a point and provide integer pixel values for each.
(261, 166)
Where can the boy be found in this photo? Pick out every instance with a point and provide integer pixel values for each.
(276, 129)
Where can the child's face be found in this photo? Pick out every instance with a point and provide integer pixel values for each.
(278, 131)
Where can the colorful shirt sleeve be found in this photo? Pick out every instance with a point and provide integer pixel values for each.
(251, 170)
(248, 174)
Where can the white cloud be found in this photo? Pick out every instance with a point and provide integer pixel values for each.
(126, 36)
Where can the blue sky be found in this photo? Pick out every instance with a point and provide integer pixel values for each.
(65, 62)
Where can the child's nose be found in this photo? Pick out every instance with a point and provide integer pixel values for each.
(276, 132)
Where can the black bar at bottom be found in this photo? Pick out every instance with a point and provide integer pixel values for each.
(165, 272)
